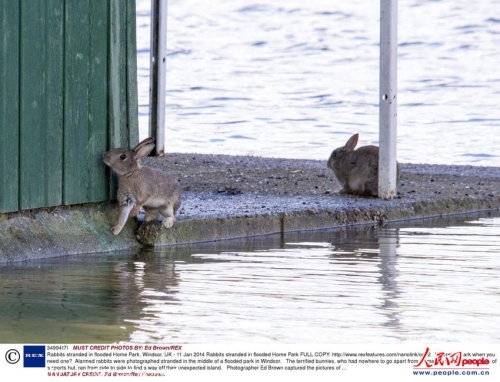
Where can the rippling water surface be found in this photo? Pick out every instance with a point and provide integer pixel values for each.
(293, 78)
(416, 282)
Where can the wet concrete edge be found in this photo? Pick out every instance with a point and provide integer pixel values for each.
(85, 229)
(309, 219)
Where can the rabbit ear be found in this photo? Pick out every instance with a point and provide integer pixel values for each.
(144, 150)
(352, 142)
(142, 143)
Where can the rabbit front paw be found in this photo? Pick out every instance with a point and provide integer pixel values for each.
(116, 230)
(168, 222)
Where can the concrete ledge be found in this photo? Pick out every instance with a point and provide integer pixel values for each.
(85, 229)
(230, 197)
(194, 231)
(152, 234)
(62, 231)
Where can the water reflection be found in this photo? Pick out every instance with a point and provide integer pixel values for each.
(410, 282)
(388, 240)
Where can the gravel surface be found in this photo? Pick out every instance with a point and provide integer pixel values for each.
(225, 186)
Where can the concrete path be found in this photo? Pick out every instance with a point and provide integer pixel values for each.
(229, 196)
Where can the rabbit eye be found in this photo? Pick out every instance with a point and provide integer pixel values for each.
(123, 156)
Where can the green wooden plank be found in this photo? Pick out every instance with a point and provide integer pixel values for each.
(118, 73)
(76, 107)
(98, 99)
(86, 101)
(9, 105)
(41, 103)
(54, 83)
(33, 120)
(132, 96)
(117, 82)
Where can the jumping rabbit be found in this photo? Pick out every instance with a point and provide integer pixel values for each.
(142, 186)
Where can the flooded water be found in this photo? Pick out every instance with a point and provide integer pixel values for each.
(294, 79)
(433, 281)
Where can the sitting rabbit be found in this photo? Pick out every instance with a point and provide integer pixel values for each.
(141, 186)
(356, 170)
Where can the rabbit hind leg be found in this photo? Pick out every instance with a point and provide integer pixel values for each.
(152, 213)
(371, 188)
(168, 216)
(346, 189)
(135, 210)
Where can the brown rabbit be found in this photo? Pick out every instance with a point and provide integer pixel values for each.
(356, 170)
(141, 186)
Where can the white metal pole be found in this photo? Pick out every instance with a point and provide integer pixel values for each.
(388, 100)
(158, 74)
(162, 78)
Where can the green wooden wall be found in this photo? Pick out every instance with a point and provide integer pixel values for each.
(68, 93)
